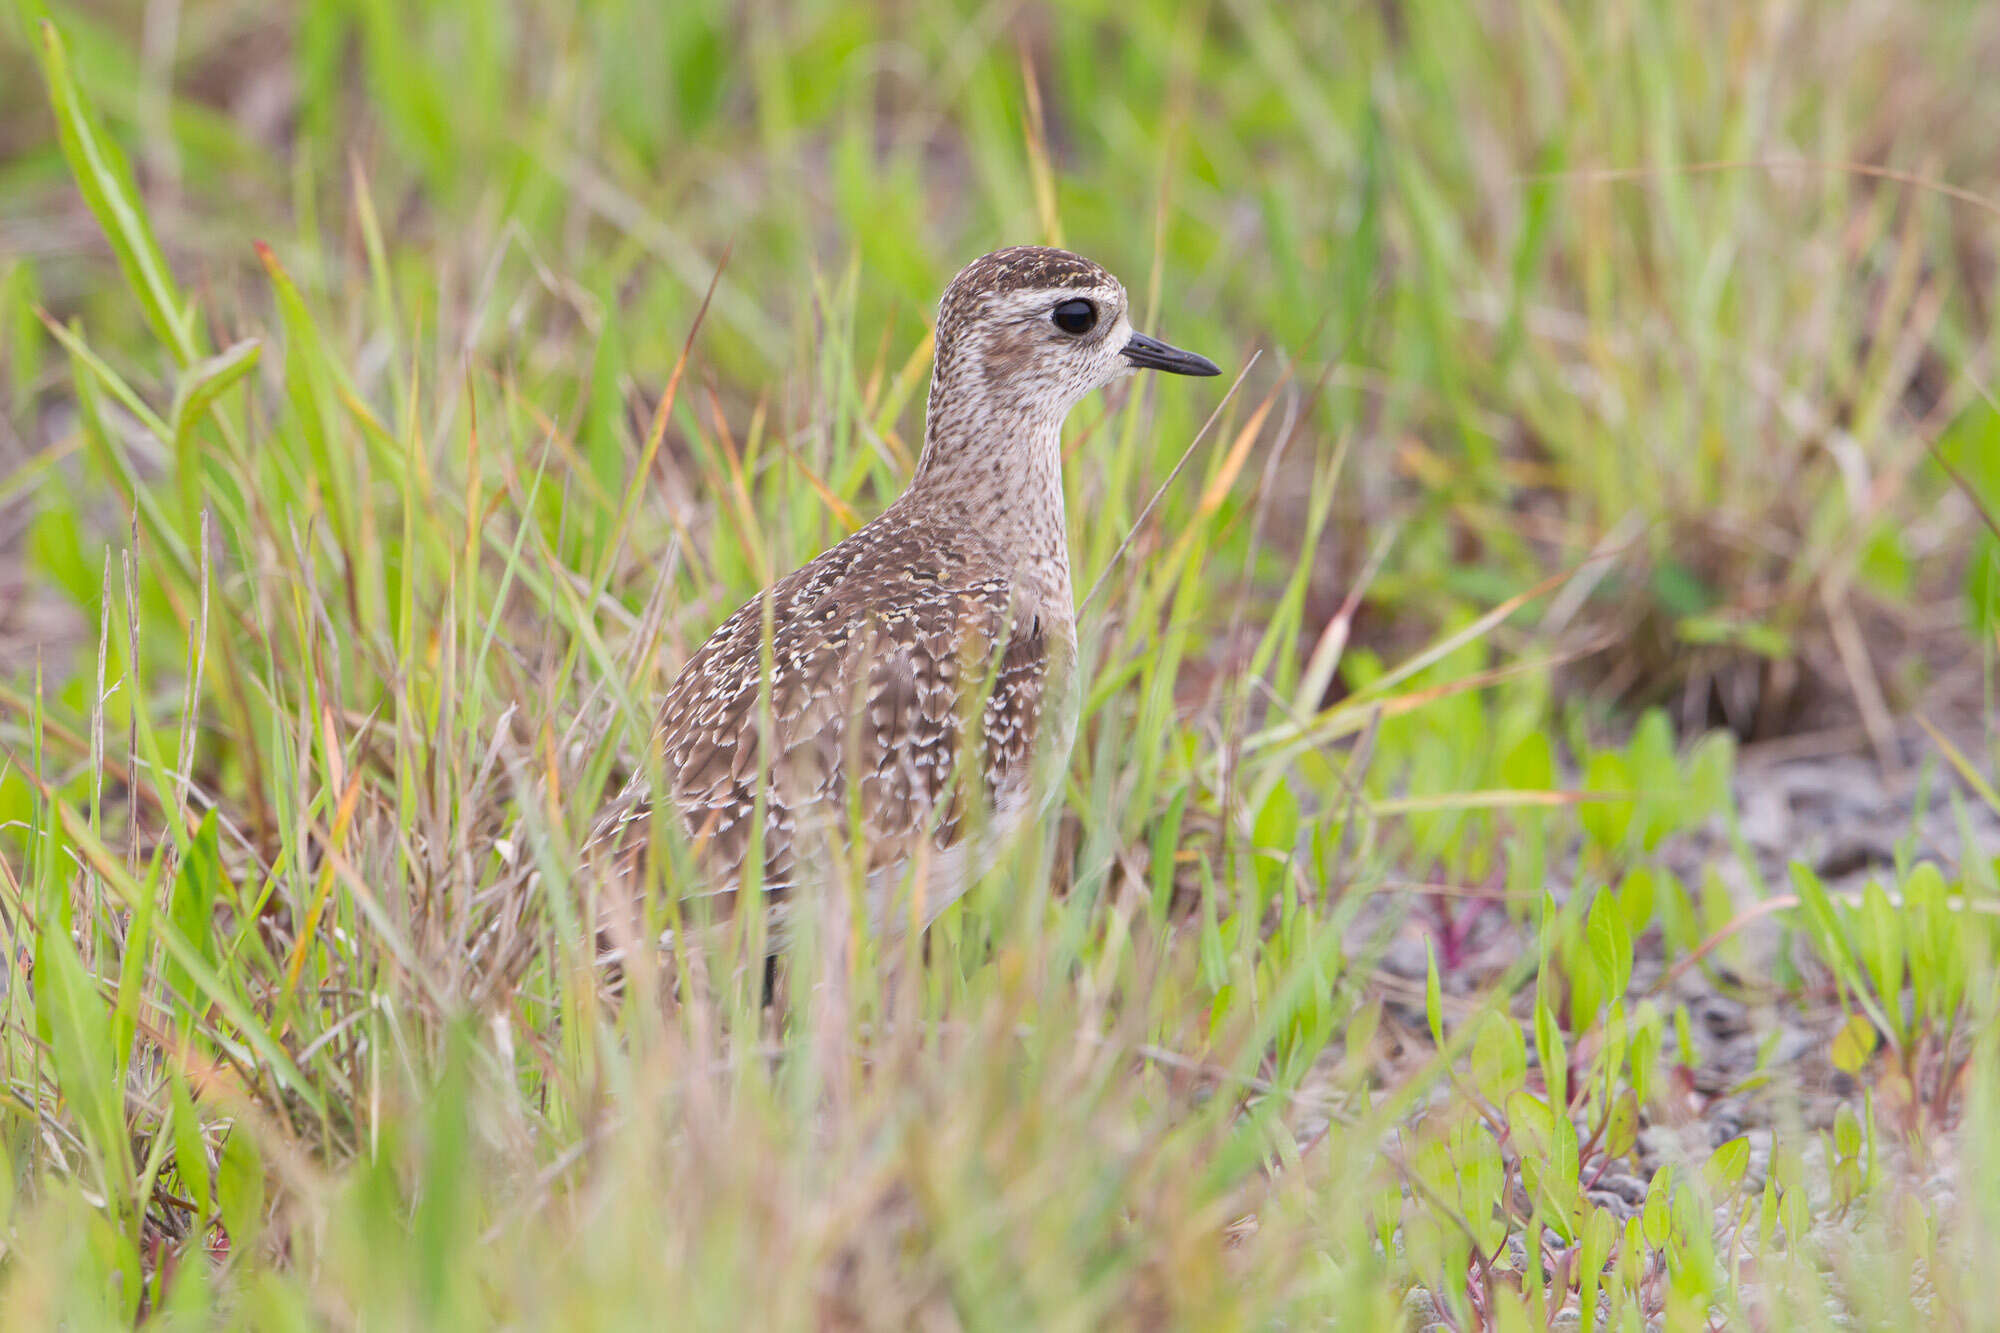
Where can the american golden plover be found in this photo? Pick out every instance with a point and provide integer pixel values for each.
(927, 661)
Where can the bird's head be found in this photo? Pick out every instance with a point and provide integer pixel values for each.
(1035, 329)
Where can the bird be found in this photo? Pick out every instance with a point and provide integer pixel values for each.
(905, 701)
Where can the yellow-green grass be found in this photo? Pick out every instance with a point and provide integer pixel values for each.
(389, 436)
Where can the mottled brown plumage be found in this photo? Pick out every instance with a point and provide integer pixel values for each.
(873, 647)
(926, 662)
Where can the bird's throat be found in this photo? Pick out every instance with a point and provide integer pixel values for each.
(997, 470)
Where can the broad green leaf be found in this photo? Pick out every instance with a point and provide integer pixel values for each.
(1499, 1058)
(1711, 765)
(1656, 1218)
(1643, 1049)
(1847, 1138)
(1609, 949)
(1621, 1127)
(1276, 827)
(1635, 901)
(1853, 1044)
(1724, 1170)
(1608, 776)
(1546, 1140)
(1529, 764)
(1481, 1181)
(1880, 935)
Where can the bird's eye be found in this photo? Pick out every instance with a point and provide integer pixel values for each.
(1078, 316)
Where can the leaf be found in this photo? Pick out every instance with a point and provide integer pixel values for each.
(1499, 1058)
(1529, 764)
(1826, 931)
(1884, 564)
(1550, 1158)
(1424, 1241)
(239, 1189)
(1599, 1233)
(1610, 949)
(1982, 585)
(1386, 1212)
(1276, 827)
(1531, 1120)
(190, 1147)
(1656, 777)
(1481, 1181)
(1613, 1040)
(444, 1219)
(1656, 1218)
(315, 384)
(1359, 1041)
(1980, 786)
(1845, 1179)
(1606, 821)
(20, 332)
(1937, 941)
(190, 907)
(1680, 590)
(205, 381)
(6, 1186)
(92, 379)
(73, 1018)
(1219, 1010)
(1275, 835)
(1588, 985)
(1725, 628)
(1621, 1124)
(1549, 1049)
(205, 977)
(1166, 834)
(105, 181)
(1684, 1052)
(1643, 1051)
(1846, 1132)
(1723, 1172)
(1635, 901)
(1881, 939)
(1632, 1254)
(1711, 765)
(1853, 1044)
(1433, 997)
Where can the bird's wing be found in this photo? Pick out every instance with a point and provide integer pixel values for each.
(877, 653)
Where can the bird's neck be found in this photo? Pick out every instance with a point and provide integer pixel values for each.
(993, 462)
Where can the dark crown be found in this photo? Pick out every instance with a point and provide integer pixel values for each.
(1020, 268)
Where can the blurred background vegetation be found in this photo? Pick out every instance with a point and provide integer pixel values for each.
(1732, 374)
(1609, 358)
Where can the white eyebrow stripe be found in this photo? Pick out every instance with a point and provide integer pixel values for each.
(1036, 303)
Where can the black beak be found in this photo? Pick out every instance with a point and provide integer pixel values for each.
(1153, 354)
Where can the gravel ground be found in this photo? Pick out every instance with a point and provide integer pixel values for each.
(1762, 1056)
